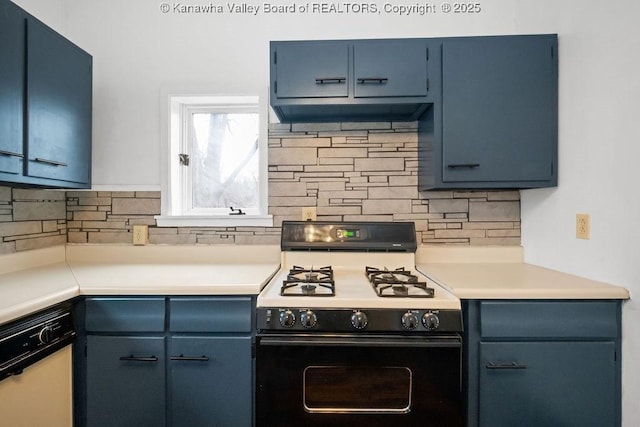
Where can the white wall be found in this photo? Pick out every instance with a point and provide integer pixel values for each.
(139, 51)
(599, 150)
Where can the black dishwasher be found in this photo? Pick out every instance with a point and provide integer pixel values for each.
(26, 340)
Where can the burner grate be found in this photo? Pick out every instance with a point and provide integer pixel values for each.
(398, 283)
(314, 282)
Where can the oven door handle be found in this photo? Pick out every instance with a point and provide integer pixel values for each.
(449, 341)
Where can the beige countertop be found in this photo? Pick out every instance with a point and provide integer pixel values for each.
(27, 291)
(172, 279)
(499, 273)
(33, 280)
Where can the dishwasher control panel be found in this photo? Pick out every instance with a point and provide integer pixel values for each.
(29, 339)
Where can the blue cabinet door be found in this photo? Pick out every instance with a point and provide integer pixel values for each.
(533, 384)
(311, 69)
(388, 68)
(499, 111)
(211, 381)
(59, 108)
(12, 84)
(125, 381)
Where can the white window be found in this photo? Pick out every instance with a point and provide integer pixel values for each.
(216, 168)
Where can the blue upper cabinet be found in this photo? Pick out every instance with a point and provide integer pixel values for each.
(59, 108)
(12, 72)
(497, 125)
(312, 70)
(45, 104)
(390, 68)
(487, 106)
(361, 80)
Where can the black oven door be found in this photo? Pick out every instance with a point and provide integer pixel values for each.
(356, 380)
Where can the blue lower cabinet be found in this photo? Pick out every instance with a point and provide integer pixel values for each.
(210, 381)
(536, 363)
(167, 361)
(547, 384)
(125, 381)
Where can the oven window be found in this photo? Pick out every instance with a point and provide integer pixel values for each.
(354, 389)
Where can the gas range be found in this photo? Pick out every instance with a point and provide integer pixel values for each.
(355, 277)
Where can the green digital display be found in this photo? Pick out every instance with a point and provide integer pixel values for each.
(348, 234)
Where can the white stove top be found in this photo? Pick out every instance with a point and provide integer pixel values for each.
(352, 287)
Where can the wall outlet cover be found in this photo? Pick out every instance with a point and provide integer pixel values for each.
(140, 235)
(309, 213)
(583, 226)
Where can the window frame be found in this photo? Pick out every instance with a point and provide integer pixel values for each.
(175, 178)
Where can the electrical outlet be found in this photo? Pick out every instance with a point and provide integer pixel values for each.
(140, 235)
(583, 226)
(309, 213)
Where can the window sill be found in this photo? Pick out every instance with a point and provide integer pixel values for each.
(215, 221)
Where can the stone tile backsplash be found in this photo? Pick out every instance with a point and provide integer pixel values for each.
(31, 219)
(369, 171)
(348, 171)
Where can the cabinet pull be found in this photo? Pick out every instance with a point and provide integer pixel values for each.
(330, 80)
(132, 358)
(512, 365)
(463, 165)
(11, 153)
(184, 358)
(377, 80)
(50, 162)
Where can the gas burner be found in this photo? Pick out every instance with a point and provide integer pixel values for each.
(313, 282)
(398, 283)
(400, 290)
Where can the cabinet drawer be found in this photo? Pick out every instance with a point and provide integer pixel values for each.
(220, 314)
(125, 314)
(566, 319)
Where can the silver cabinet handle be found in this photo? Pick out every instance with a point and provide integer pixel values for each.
(512, 365)
(132, 358)
(330, 80)
(50, 162)
(11, 153)
(377, 80)
(464, 165)
(184, 358)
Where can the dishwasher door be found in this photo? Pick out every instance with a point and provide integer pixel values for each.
(41, 395)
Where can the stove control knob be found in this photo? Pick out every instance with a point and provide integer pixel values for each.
(287, 318)
(430, 321)
(308, 319)
(46, 335)
(359, 320)
(409, 320)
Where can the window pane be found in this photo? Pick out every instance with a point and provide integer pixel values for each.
(224, 160)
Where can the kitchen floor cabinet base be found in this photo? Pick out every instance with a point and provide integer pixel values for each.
(553, 379)
(218, 370)
(125, 381)
(542, 363)
(155, 361)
